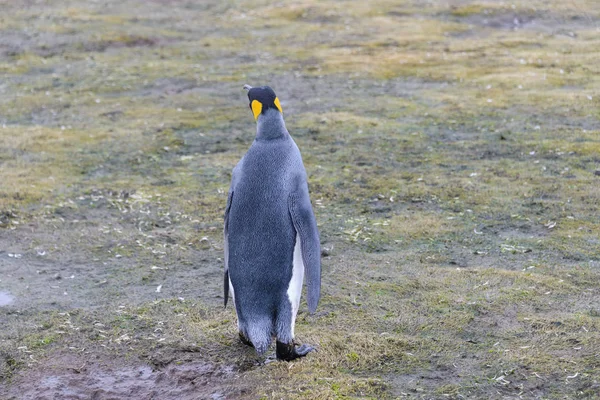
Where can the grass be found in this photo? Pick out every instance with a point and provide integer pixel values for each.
(452, 154)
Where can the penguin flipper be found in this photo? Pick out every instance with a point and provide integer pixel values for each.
(305, 224)
(226, 250)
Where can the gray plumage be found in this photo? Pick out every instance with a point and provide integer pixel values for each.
(268, 209)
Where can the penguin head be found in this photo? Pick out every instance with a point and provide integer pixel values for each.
(261, 99)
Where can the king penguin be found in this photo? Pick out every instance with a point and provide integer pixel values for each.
(271, 240)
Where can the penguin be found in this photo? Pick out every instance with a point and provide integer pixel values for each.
(271, 240)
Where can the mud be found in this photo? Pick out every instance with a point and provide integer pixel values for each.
(69, 377)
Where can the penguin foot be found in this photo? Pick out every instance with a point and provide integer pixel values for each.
(289, 352)
(245, 340)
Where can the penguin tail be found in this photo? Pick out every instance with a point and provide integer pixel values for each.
(259, 333)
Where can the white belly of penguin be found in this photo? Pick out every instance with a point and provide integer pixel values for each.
(295, 287)
(232, 292)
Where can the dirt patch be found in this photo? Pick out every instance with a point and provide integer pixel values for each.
(123, 263)
(65, 376)
(409, 385)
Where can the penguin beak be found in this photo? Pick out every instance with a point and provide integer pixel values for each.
(247, 87)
